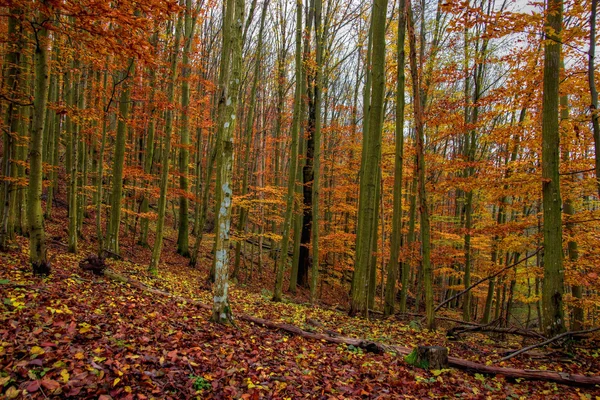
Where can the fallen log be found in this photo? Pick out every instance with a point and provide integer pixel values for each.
(376, 347)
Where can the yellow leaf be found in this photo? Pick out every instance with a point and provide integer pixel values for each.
(37, 350)
(12, 392)
(65, 375)
(117, 380)
(79, 356)
(128, 389)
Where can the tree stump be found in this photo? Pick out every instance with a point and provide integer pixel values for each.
(432, 357)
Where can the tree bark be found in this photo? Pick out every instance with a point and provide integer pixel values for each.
(553, 283)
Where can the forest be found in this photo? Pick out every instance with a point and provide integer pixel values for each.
(299, 199)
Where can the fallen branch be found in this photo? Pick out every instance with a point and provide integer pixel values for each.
(551, 340)
(443, 303)
(376, 347)
(458, 321)
(457, 330)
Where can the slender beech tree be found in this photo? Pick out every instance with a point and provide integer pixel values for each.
(73, 156)
(229, 79)
(184, 153)
(553, 283)
(369, 180)
(9, 168)
(421, 174)
(318, 93)
(37, 239)
(304, 260)
(295, 129)
(248, 134)
(593, 90)
(166, 153)
(112, 241)
(393, 264)
(148, 155)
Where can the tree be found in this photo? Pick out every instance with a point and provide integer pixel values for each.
(35, 216)
(166, 154)
(420, 164)
(229, 79)
(295, 129)
(393, 264)
(184, 153)
(553, 284)
(369, 180)
(119, 160)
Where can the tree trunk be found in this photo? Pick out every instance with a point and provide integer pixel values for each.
(396, 242)
(287, 224)
(369, 181)
(37, 240)
(420, 153)
(119, 159)
(166, 155)
(231, 58)
(553, 283)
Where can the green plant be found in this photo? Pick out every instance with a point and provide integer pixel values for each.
(354, 349)
(412, 360)
(200, 383)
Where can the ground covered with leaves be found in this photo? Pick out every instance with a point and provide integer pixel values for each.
(77, 335)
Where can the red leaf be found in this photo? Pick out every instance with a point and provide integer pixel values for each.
(33, 386)
(50, 384)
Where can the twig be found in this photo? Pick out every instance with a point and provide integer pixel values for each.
(554, 339)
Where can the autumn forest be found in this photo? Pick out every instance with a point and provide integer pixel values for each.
(299, 199)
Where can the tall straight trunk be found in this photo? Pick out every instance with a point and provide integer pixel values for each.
(553, 284)
(166, 154)
(37, 240)
(393, 265)
(9, 168)
(287, 224)
(249, 135)
(24, 132)
(369, 180)
(82, 149)
(148, 155)
(231, 59)
(118, 163)
(53, 141)
(100, 172)
(73, 139)
(569, 210)
(304, 260)
(184, 153)
(593, 90)
(319, 40)
(420, 154)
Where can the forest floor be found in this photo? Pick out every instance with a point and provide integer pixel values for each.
(74, 334)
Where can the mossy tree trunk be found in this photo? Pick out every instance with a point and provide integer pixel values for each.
(421, 173)
(231, 59)
(166, 154)
(287, 224)
(37, 239)
(553, 283)
(112, 240)
(369, 179)
(393, 265)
